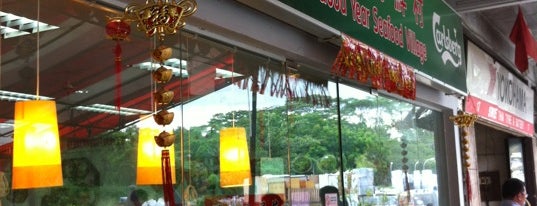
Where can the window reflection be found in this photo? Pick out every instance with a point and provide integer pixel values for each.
(304, 150)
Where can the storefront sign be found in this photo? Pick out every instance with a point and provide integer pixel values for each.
(497, 95)
(426, 35)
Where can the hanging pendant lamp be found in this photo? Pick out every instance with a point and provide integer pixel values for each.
(36, 143)
(149, 165)
(234, 158)
(36, 146)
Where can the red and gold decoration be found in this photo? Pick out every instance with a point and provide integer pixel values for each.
(118, 29)
(36, 146)
(364, 64)
(464, 121)
(161, 98)
(161, 18)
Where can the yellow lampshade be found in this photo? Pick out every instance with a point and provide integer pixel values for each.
(36, 146)
(148, 169)
(234, 158)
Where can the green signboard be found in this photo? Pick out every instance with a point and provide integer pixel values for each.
(426, 35)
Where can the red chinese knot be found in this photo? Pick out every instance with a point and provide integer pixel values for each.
(118, 29)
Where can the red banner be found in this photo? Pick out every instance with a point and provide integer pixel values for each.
(358, 61)
(496, 114)
(525, 44)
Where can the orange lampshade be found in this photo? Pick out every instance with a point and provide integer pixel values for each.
(234, 158)
(148, 169)
(36, 146)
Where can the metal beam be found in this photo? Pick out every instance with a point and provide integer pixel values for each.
(483, 7)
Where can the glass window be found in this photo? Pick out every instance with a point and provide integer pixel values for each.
(388, 150)
(308, 140)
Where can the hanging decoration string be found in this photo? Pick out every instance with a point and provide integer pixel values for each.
(153, 81)
(465, 121)
(117, 29)
(289, 116)
(167, 184)
(1, 3)
(117, 52)
(161, 98)
(151, 23)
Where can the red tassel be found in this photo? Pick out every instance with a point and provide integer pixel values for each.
(118, 75)
(167, 184)
(468, 185)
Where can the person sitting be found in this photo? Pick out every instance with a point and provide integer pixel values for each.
(271, 200)
(513, 193)
(330, 190)
(137, 197)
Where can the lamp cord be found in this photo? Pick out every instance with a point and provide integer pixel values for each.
(37, 48)
(181, 104)
(232, 82)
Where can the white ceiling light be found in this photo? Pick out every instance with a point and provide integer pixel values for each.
(12, 25)
(222, 74)
(16, 96)
(103, 108)
(173, 64)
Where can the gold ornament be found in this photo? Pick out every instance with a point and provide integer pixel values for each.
(463, 119)
(164, 139)
(162, 75)
(163, 97)
(163, 117)
(161, 17)
(162, 53)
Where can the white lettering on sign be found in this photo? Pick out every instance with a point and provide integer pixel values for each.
(493, 112)
(509, 119)
(519, 123)
(337, 5)
(511, 92)
(445, 43)
(501, 116)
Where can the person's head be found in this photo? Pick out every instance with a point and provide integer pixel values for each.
(514, 189)
(138, 197)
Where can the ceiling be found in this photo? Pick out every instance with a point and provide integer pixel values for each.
(77, 61)
(77, 67)
(501, 14)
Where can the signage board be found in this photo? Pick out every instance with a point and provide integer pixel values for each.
(426, 35)
(497, 95)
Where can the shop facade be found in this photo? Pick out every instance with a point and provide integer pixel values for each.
(504, 131)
